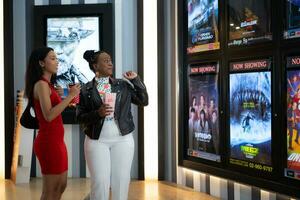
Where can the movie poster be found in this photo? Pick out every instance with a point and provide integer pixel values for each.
(70, 37)
(292, 29)
(203, 33)
(203, 123)
(249, 21)
(250, 115)
(293, 118)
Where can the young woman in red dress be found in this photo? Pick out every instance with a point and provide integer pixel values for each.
(49, 145)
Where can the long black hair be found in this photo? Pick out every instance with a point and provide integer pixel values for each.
(91, 57)
(34, 70)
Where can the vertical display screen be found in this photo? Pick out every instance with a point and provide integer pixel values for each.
(203, 31)
(203, 124)
(70, 37)
(292, 29)
(250, 115)
(249, 21)
(292, 169)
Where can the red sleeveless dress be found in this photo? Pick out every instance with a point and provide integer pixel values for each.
(49, 145)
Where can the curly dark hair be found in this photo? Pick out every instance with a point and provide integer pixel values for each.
(91, 56)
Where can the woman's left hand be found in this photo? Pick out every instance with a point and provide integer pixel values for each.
(130, 75)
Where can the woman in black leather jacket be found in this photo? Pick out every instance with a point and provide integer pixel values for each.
(109, 144)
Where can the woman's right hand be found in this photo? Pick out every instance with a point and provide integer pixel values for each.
(59, 90)
(105, 110)
(74, 90)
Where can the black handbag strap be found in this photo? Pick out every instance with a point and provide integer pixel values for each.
(30, 102)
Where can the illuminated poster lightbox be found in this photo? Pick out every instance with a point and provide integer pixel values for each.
(249, 22)
(203, 31)
(251, 114)
(70, 37)
(203, 124)
(292, 169)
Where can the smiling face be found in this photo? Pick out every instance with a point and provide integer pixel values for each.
(50, 63)
(104, 66)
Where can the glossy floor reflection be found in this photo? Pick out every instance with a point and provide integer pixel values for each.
(79, 188)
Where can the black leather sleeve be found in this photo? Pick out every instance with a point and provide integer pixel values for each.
(139, 95)
(83, 115)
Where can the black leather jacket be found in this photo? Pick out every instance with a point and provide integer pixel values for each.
(90, 101)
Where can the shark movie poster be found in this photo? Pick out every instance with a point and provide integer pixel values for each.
(203, 33)
(293, 118)
(292, 29)
(249, 21)
(250, 115)
(203, 123)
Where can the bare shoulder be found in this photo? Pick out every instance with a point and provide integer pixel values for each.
(41, 87)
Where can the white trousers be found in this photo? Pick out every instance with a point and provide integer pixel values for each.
(109, 161)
